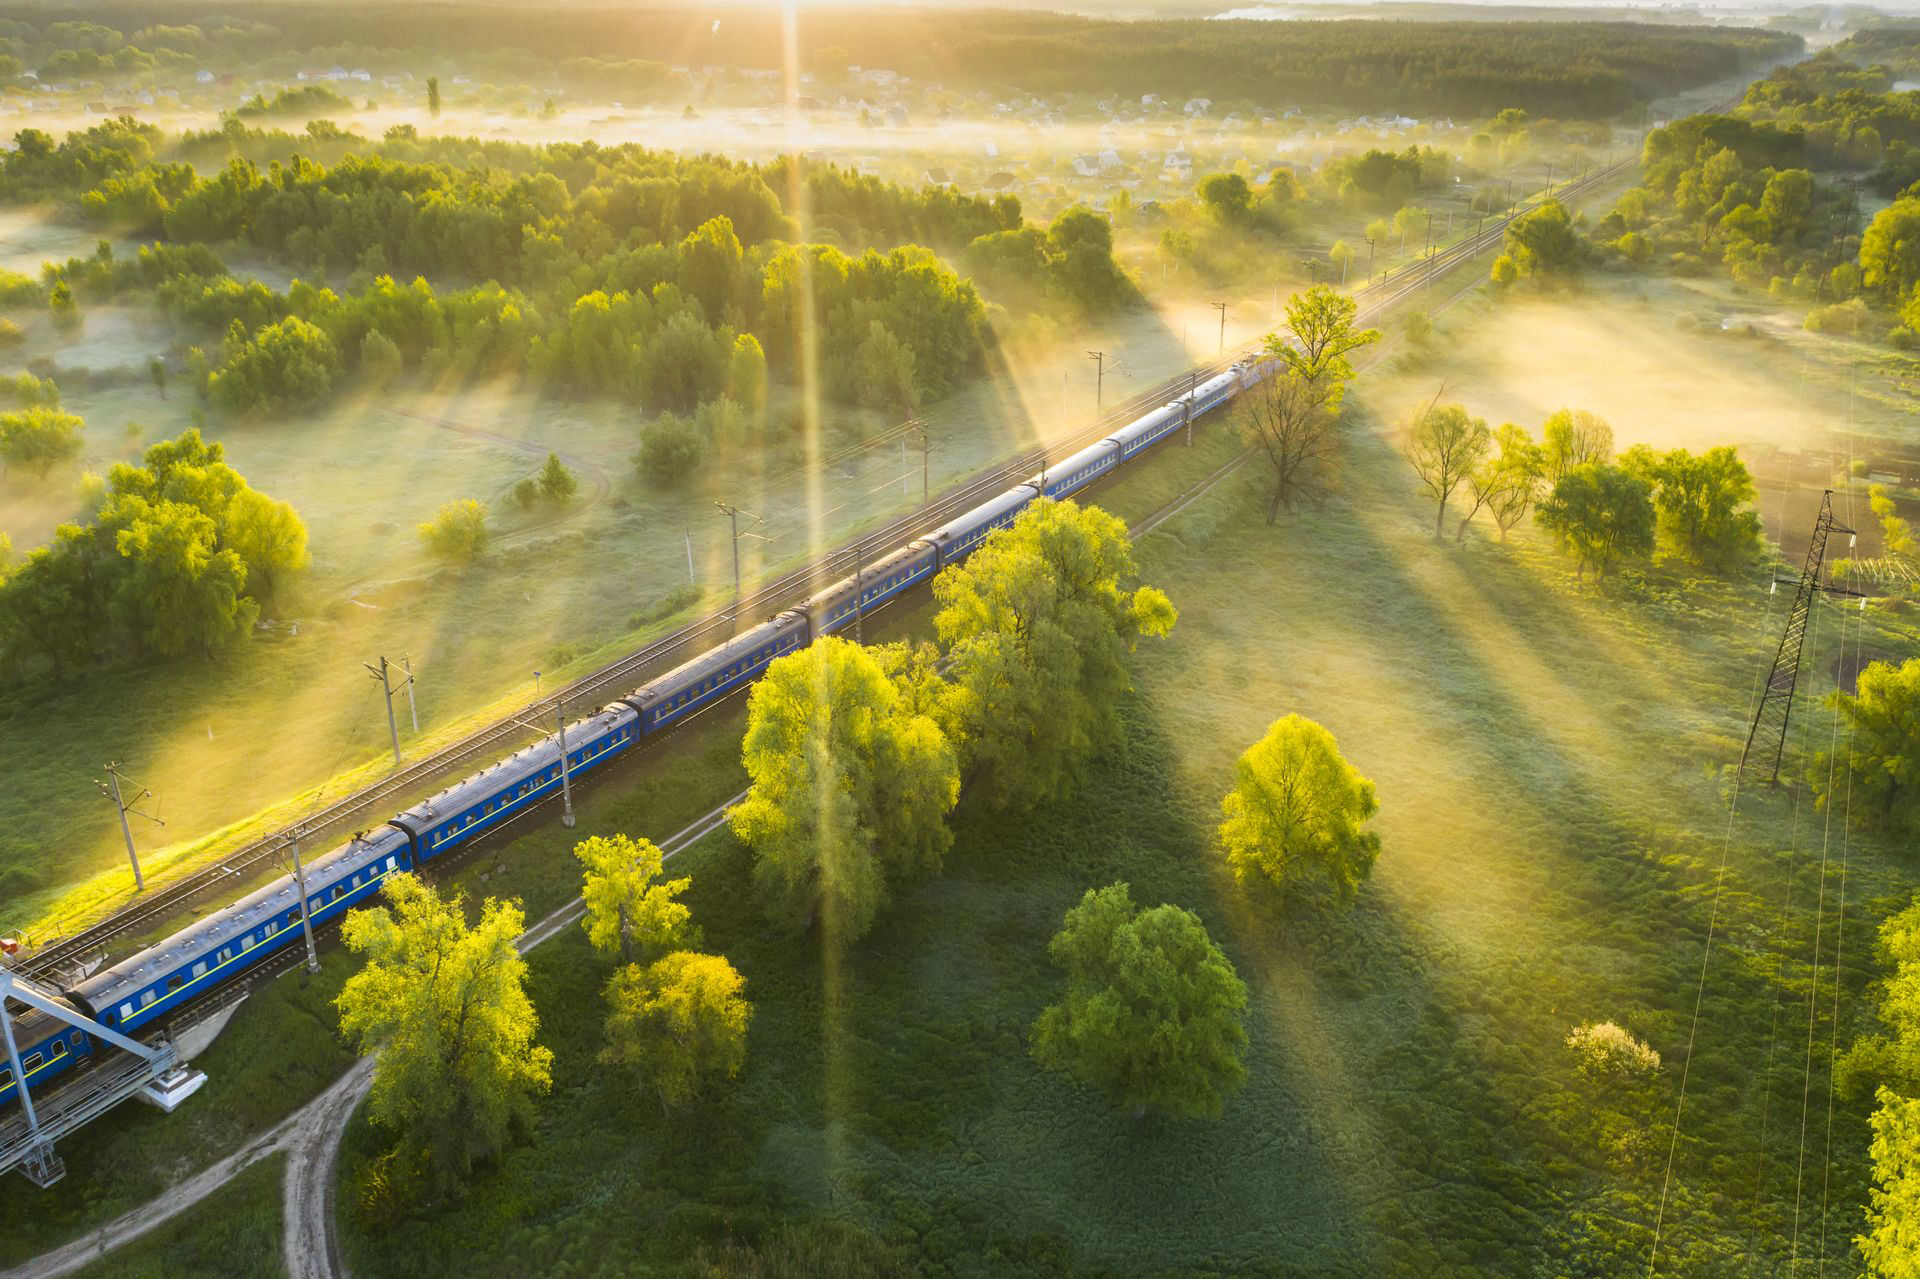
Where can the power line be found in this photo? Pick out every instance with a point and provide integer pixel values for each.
(1839, 940)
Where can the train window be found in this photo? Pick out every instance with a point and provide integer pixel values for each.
(200, 969)
(175, 982)
(32, 1062)
(6, 1078)
(126, 1011)
(339, 891)
(146, 997)
(226, 953)
(293, 918)
(246, 943)
(59, 1049)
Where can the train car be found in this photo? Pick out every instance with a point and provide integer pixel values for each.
(477, 804)
(692, 686)
(1083, 468)
(48, 1048)
(145, 988)
(835, 607)
(1144, 432)
(955, 540)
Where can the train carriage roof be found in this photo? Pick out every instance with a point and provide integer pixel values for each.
(494, 778)
(696, 668)
(138, 971)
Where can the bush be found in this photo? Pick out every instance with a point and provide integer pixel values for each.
(380, 358)
(526, 493)
(36, 438)
(285, 366)
(11, 334)
(1902, 338)
(670, 450)
(1849, 318)
(458, 531)
(1603, 1054)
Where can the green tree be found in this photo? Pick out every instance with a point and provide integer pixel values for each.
(1298, 810)
(711, 266)
(157, 374)
(1895, 532)
(1890, 249)
(676, 1022)
(1882, 759)
(179, 589)
(60, 302)
(1702, 503)
(1600, 514)
(883, 372)
(283, 367)
(1292, 413)
(747, 374)
(1506, 482)
(1446, 444)
(1341, 255)
(269, 537)
(1543, 243)
(35, 438)
(1036, 624)
(557, 483)
(457, 531)
(1574, 437)
(445, 1007)
(670, 450)
(631, 911)
(1889, 1247)
(851, 787)
(1227, 197)
(1153, 1014)
(433, 96)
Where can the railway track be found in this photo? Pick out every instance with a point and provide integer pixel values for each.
(375, 803)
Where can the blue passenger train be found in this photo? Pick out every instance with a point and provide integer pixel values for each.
(141, 991)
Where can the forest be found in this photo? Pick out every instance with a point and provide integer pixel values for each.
(1589, 68)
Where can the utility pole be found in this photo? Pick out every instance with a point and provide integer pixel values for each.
(1313, 271)
(733, 514)
(380, 673)
(111, 789)
(689, 533)
(306, 906)
(1099, 359)
(926, 457)
(413, 712)
(1222, 308)
(859, 592)
(1186, 405)
(1369, 259)
(1549, 177)
(566, 773)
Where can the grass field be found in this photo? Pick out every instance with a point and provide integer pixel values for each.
(1544, 753)
(233, 1232)
(1548, 757)
(561, 591)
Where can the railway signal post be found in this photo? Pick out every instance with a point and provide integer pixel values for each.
(566, 773)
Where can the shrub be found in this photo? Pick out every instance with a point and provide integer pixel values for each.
(1603, 1053)
(526, 493)
(380, 358)
(458, 531)
(670, 450)
(1849, 318)
(1902, 338)
(11, 334)
(36, 438)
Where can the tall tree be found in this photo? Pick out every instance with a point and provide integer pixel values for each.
(677, 1021)
(445, 1007)
(35, 438)
(269, 537)
(433, 96)
(457, 531)
(1574, 437)
(1298, 810)
(186, 594)
(1882, 759)
(1600, 514)
(1037, 624)
(1445, 445)
(1701, 501)
(557, 484)
(1293, 412)
(1506, 482)
(850, 787)
(1153, 1012)
(631, 911)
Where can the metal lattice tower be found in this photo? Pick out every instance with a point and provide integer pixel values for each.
(1767, 739)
